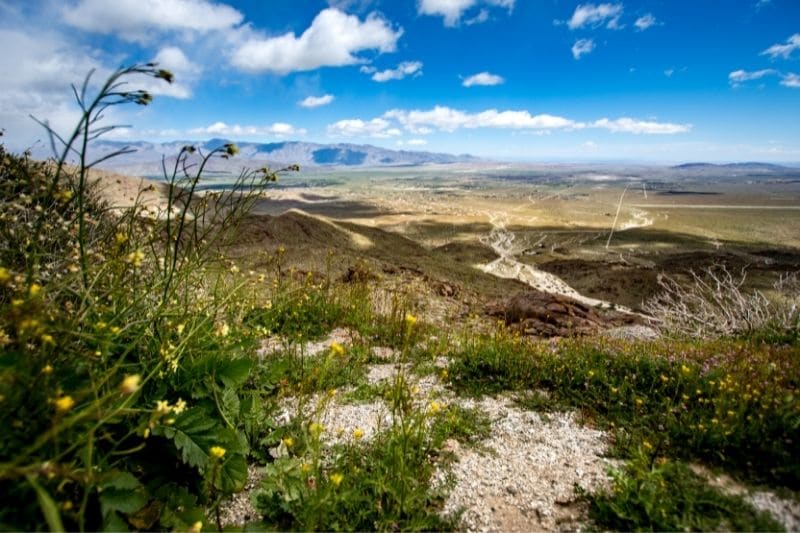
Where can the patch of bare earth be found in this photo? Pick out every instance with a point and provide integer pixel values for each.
(526, 481)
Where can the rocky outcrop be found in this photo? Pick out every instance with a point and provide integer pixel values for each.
(542, 314)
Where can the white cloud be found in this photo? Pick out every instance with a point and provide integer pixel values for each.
(596, 15)
(447, 119)
(737, 77)
(278, 129)
(316, 101)
(135, 19)
(791, 80)
(406, 68)
(582, 47)
(645, 21)
(453, 10)
(783, 50)
(639, 127)
(333, 39)
(412, 142)
(669, 72)
(483, 78)
(377, 127)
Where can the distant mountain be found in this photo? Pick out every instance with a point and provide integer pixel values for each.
(748, 167)
(147, 157)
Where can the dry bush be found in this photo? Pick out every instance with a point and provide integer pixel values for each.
(715, 304)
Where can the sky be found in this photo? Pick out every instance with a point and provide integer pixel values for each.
(517, 80)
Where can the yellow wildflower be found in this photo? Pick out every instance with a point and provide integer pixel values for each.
(121, 238)
(179, 407)
(358, 433)
(48, 339)
(130, 384)
(305, 468)
(64, 403)
(434, 407)
(5, 276)
(316, 429)
(337, 349)
(336, 479)
(179, 328)
(591, 373)
(647, 445)
(410, 320)
(218, 452)
(685, 369)
(288, 442)
(47, 370)
(136, 258)
(639, 401)
(223, 330)
(34, 290)
(196, 527)
(162, 407)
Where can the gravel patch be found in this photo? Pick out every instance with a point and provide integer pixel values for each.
(239, 509)
(526, 482)
(343, 336)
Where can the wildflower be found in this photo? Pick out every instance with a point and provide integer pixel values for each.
(443, 374)
(305, 468)
(231, 149)
(179, 407)
(639, 401)
(331, 393)
(336, 479)
(120, 238)
(64, 403)
(4, 338)
(4, 275)
(358, 433)
(434, 407)
(410, 320)
(47, 370)
(288, 442)
(162, 407)
(64, 196)
(48, 339)
(179, 328)
(223, 330)
(664, 378)
(316, 429)
(130, 384)
(591, 373)
(217, 452)
(34, 290)
(165, 75)
(135, 258)
(196, 527)
(685, 369)
(647, 445)
(234, 269)
(337, 349)
(614, 390)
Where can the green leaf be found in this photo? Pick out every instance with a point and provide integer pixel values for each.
(233, 474)
(49, 508)
(230, 404)
(120, 480)
(234, 372)
(194, 432)
(123, 500)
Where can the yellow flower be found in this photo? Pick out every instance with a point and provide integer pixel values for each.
(223, 330)
(196, 527)
(34, 290)
(410, 320)
(130, 384)
(179, 407)
(218, 452)
(305, 468)
(136, 258)
(591, 373)
(685, 369)
(121, 238)
(47, 370)
(316, 429)
(5, 276)
(331, 393)
(288, 442)
(443, 374)
(358, 433)
(179, 328)
(639, 401)
(336, 479)
(664, 378)
(48, 339)
(434, 407)
(647, 445)
(614, 390)
(337, 349)
(162, 407)
(64, 404)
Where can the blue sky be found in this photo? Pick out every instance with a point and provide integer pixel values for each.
(529, 80)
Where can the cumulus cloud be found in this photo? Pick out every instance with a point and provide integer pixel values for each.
(278, 129)
(453, 10)
(591, 15)
(333, 39)
(316, 101)
(406, 68)
(645, 21)
(377, 127)
(783, 50)
(136, 19)
(640, 127)
(447, 119)
(483, 78)
(791, 80)
(582, 47)
(737, 77)
(186, 73)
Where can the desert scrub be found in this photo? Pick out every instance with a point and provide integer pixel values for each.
(732, 403)
(656, 494)
(125, 390)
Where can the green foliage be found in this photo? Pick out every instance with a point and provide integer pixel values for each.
(667, 496)
(732, 403)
